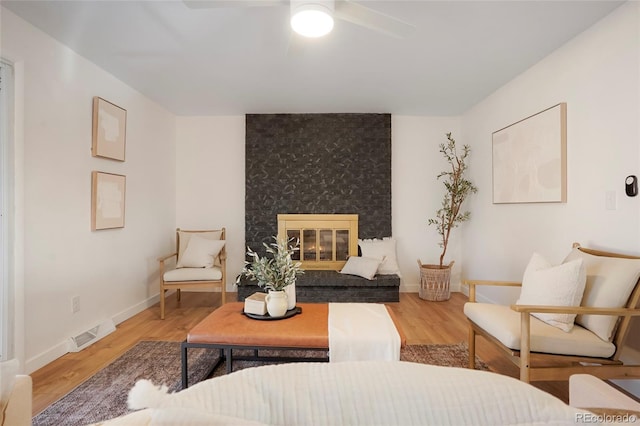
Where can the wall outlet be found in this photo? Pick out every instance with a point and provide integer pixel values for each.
(610, 202)
(75, 304)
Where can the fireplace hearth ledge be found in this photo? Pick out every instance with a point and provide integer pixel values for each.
(320, 286)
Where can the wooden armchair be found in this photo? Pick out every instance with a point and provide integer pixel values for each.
(545, 353)
(200, 264)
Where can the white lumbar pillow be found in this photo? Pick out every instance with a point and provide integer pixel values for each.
(364, 267)
(561, 285)
(200, 252)
(383, 249)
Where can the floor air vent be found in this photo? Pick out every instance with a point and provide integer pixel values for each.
(82, 340)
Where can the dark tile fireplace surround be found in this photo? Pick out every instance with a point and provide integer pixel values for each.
(322, 164)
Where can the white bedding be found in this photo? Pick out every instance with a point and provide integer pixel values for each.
(362, 332)
(356, 393)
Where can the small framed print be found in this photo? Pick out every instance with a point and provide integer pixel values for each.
(109, 130)
(107, 200)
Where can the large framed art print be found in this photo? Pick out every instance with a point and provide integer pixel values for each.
(530, 159)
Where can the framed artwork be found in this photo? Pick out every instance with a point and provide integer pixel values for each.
(109, 130)
(530, 159)
(107, 200)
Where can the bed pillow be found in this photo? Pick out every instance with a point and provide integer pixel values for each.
(200, 252)
(364, 267)
(561, 285)
(610, 282)
(382, 249)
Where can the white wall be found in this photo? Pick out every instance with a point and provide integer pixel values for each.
(210, 181)
(113, 271)
(598, 75)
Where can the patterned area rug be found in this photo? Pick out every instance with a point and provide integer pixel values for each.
(104, 395)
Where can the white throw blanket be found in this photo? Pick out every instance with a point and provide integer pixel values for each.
(362, 332)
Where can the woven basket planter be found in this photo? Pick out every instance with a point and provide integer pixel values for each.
(434, 282)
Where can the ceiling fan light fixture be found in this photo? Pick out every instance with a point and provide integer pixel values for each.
(312, 19)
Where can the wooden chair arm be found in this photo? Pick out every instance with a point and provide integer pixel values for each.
(525, 325)
(168, 256)
(473, 283)
(578, 310)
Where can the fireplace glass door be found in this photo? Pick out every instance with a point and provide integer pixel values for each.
(326, 241)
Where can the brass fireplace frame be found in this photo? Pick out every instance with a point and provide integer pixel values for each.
(312, 229)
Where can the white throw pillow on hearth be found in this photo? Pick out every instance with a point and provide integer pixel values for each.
(364, 267)
(382, 249)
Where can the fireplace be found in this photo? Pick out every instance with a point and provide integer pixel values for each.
(326, 240)
(322, 165)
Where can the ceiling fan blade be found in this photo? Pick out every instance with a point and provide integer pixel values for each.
(369, 18)
(143, 54)
(218, 4)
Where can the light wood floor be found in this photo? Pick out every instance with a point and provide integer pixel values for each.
(423, 323)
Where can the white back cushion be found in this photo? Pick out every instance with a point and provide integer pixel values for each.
(610, 281)
(200, 252)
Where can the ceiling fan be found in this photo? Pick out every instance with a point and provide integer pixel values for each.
(314, 18)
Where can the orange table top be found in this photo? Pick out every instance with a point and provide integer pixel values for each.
(227, 325)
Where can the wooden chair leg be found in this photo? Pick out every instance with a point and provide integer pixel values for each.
(525, 345)
(472, 348)
(178, 294)
(161, 302)
(223, 292)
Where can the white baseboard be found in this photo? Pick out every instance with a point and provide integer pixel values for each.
(135, 309)
(62, 347)
(409, 288)
(415, 287)
(44, 358)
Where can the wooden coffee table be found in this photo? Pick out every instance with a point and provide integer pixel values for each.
(227, 328)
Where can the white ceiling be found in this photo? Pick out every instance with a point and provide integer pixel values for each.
(236, 60)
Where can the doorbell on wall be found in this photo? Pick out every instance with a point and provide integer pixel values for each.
(631, 185)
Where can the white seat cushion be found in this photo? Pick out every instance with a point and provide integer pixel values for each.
(194, 274)
(610, 282)
(503, 323)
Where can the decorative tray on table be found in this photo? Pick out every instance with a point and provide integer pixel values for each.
(267, 317)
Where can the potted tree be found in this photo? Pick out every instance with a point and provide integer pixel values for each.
(435, 279)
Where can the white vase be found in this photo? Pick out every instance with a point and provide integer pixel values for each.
(276, 303)
(291, 296)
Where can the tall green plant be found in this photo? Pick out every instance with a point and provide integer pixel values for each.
(458, 189)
